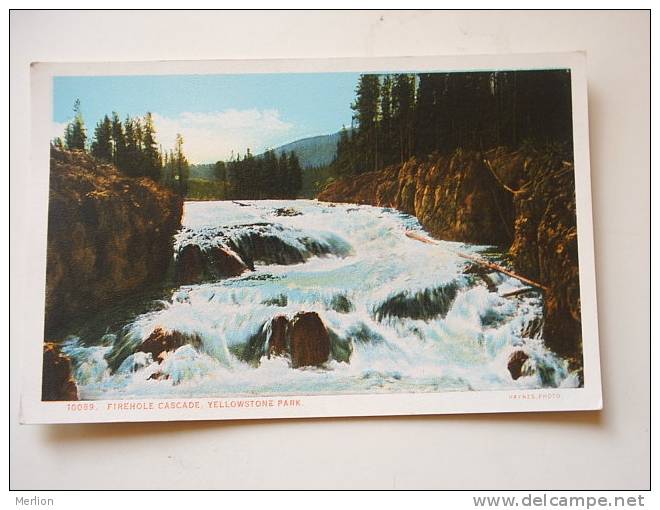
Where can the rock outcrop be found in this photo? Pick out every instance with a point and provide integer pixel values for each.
(523, 201)
(277, 342)
(545, 246)
(423, 304)
(309, 340)
(190, 265)
(193, 265)
(515, 364)
(162, 341)
(226, 263)
(455, 197)
(108, 236)
(303, 339)
(57, 383)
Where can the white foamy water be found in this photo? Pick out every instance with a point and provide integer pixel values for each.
(360, 273)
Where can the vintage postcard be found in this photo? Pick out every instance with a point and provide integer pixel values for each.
(309, 238)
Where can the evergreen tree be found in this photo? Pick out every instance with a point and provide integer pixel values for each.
(76, 134)
(181, 165)
(169, 175)
(403, 108)
(387, 135)
(232, 182)
(239, 186)
(102, 144)
(294, 176)
(119, 142)
(343, 163)
(425, 121)
(166, 173)
(138, 159)
(270, 175)
(150, 154)
(282, 175)
(132, 135)
(250, 174)
(366, 117)
(264, 177)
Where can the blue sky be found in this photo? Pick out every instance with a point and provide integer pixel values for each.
(216, 114)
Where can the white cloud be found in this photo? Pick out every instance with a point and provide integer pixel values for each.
(57, 129)
(210, 136)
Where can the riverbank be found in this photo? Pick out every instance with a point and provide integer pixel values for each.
(521, 201)
(108, 236)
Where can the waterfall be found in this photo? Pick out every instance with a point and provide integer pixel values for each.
(397, 315)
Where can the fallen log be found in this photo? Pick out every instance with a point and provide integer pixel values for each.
(419, 237)
(519, 292)
(478, 260)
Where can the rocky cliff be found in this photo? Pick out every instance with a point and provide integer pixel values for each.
(108, 236)
(522, 201)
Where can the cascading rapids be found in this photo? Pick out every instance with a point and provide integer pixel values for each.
(402, 316)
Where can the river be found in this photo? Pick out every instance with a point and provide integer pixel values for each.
(404, 314)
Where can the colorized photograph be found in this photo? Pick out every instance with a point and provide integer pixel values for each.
(311, 233)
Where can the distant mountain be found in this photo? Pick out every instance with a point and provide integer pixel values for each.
(314, 151)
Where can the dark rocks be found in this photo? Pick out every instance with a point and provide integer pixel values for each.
(108, 236)
(277, 342)
(57, 378)
(286, 211)
(262, 244)
(228, 251)
(424, 304)
(277, 244)
(189, 265)
(533, 329)
(162, 341)
(545, 246)
(193, 265)
(309, 340)
(456, 197)
(340, 303)
(158, 376)
(225, 263)
(304, 340)
(515, 364)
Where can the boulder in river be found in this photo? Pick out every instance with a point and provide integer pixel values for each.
(189, 265)
(57, 379)
(194, 265)
(158, 376)
(309, 340)
(225, 263)
(162, 340)
(515, 364)
(423, 304)
(277, 342)
(286, 211)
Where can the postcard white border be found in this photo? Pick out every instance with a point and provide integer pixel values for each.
(33, 410)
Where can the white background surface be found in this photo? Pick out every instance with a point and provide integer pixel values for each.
(608, 449)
